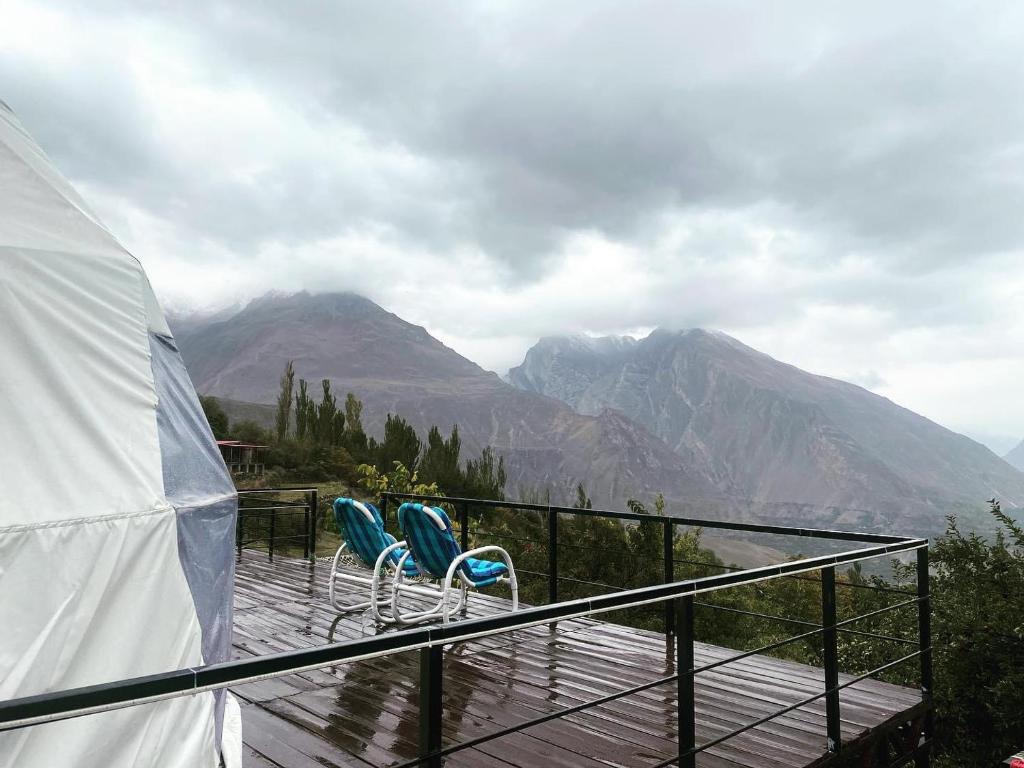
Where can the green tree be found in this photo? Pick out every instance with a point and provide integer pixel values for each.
(582, 499)
(325, 416)
(354, 438)
(485, 477)
(440, 462)
(304, 409)
(400, 443)
(353, 412)
(398, 480)
(284, 402)
(215, 416)
(249, 431)
(977, 589)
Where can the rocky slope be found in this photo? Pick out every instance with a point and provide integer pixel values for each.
(1016, 456)
(766, 431)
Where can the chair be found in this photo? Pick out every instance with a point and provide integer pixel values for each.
(367, 545)
(428, 533)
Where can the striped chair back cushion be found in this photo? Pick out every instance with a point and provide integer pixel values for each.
(434, 547)
(364, 534)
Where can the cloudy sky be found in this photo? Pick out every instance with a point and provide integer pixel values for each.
(840, 185)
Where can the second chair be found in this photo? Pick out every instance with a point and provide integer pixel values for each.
(428, 534)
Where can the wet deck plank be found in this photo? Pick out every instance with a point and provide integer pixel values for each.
(366, 713)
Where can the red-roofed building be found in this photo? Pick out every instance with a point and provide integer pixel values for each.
(243, 458)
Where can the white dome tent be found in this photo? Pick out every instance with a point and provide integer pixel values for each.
(117, 513)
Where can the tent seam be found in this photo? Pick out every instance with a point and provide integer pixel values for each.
(81, 520)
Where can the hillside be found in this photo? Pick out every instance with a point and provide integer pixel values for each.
(397, 367)
(767, 431)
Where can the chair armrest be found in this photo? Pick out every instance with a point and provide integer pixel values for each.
(474, 553)
(384, 554)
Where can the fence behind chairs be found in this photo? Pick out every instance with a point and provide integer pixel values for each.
(277, 519)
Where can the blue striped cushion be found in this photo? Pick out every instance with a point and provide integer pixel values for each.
(367, 540)
(485, 572)
(435, 548)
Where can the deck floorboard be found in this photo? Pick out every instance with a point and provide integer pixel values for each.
(366, 713)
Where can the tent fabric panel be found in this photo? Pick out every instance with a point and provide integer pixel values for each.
(170, 734)
(192, 469)
(41, 209)
(91, 602)
(206, 552)
(206, 538)
(77, 388)
(93, 586)
(199, 486)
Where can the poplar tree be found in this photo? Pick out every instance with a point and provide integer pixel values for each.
(303, 406)
(325, 416)
(284, 402)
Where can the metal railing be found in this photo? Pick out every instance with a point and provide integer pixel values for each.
(679, 619)
(265, 520)
(677, 597)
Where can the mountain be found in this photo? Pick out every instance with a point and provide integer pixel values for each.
(1016, 456)
(396, 367)
(763, 430)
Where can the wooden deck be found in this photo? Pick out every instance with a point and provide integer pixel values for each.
(365, 713)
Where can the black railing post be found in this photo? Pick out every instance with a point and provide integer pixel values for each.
(270, 541)
(668, 536)
(430, 704)
(384, 508)
(305, 530)
(552, 556)
(464, 527)
(831, 658)
(314, 515)
(924, 626)
(684, 667)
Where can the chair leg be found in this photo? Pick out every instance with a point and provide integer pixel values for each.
(332, 588)
(340, 576)
(334, 572)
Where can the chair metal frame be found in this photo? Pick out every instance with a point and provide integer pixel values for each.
(442, 590)
(347, 556)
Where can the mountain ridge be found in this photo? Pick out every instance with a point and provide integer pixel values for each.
(721, 429)
(766, 430)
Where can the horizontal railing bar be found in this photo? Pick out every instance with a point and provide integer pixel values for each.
(756, 651)
(730, 609)
(283, 489)
(566, 711)
(629, 555)
(76, 702)
(732, 568)
(839, 626)
(851, 585)
(297, 505)
(818, 533)
(268, 539)
(572, 580)
(886, 609)
(492, 534)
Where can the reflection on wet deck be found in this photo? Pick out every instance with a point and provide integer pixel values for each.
(366, 713)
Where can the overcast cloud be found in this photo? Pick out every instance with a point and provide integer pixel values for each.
(838, 184)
